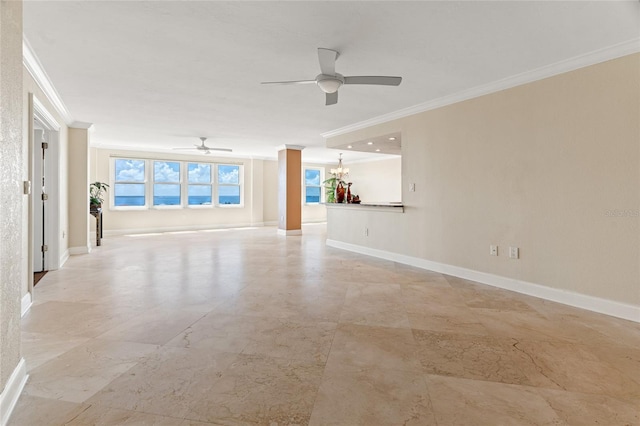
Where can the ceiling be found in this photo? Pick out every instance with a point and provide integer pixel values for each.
(154, 75)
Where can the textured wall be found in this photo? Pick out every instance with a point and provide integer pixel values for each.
(10, 185)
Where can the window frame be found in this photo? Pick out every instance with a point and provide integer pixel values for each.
(153, 183)
(211, 185)
(113, 182)
(240, 185)
(304, 186)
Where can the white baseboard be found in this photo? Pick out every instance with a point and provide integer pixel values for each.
(73, 251)
(578, 300)
(26, 303)
(314, 221)
(133, 231)
(289, 232)
(12, 390)
(118, 232)
(64, 258)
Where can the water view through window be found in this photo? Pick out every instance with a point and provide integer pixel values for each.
(166, 188)
(133, 182)
(228, 184)
(199, 184)
(126, 191)
(312, 185)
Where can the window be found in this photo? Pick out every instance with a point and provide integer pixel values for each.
(129, 183)
(312, 186)
(228, 184)
(166, 183)
(199, 184)
(141, 184)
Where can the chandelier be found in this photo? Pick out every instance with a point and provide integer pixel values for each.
(340, 172)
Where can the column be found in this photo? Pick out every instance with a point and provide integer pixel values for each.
(79, 217)
(290, 190)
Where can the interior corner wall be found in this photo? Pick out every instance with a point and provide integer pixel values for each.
(311, 213)
(377, 181)
(551, 167)
(11, 197)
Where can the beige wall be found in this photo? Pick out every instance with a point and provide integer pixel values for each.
(541, 166)
(377, 181)
(261, 198)
(270, 192)
(11, 177)
(78, 198)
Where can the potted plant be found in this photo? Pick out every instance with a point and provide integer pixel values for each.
(330, 185)
(97, 191)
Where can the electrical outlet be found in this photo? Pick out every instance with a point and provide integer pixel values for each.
(366, 232)
(493, 250)
(514, 253)
(412, 187)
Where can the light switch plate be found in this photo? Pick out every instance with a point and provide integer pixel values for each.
(514, 253)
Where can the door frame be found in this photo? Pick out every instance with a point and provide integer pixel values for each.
(52, 232)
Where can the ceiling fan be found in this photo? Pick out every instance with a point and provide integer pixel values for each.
(205, 148)
(330, 81)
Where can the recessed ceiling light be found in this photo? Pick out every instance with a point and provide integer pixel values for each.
(392, 138)
(349, 147)
(369, 143)
(378, 150)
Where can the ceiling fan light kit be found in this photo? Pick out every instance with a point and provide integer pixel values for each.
(329, 81)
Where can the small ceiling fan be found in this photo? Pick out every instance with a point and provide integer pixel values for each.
(330, 81)
(205, 148)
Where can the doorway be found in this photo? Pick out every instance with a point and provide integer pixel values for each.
(39, 201)
(44, 226)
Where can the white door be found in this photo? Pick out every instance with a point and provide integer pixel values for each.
(39, 195)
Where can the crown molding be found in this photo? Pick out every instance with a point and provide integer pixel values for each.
(595, 57)
(33, 65)
(293, 147)
(43, 114)
(82, 125)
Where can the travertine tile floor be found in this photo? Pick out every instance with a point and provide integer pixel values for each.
(243, 327)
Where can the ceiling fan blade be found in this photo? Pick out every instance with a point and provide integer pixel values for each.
(186, 148)
(380, 80)
(327, 58)
(332, 98)
(220, 149)
(289, 82)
